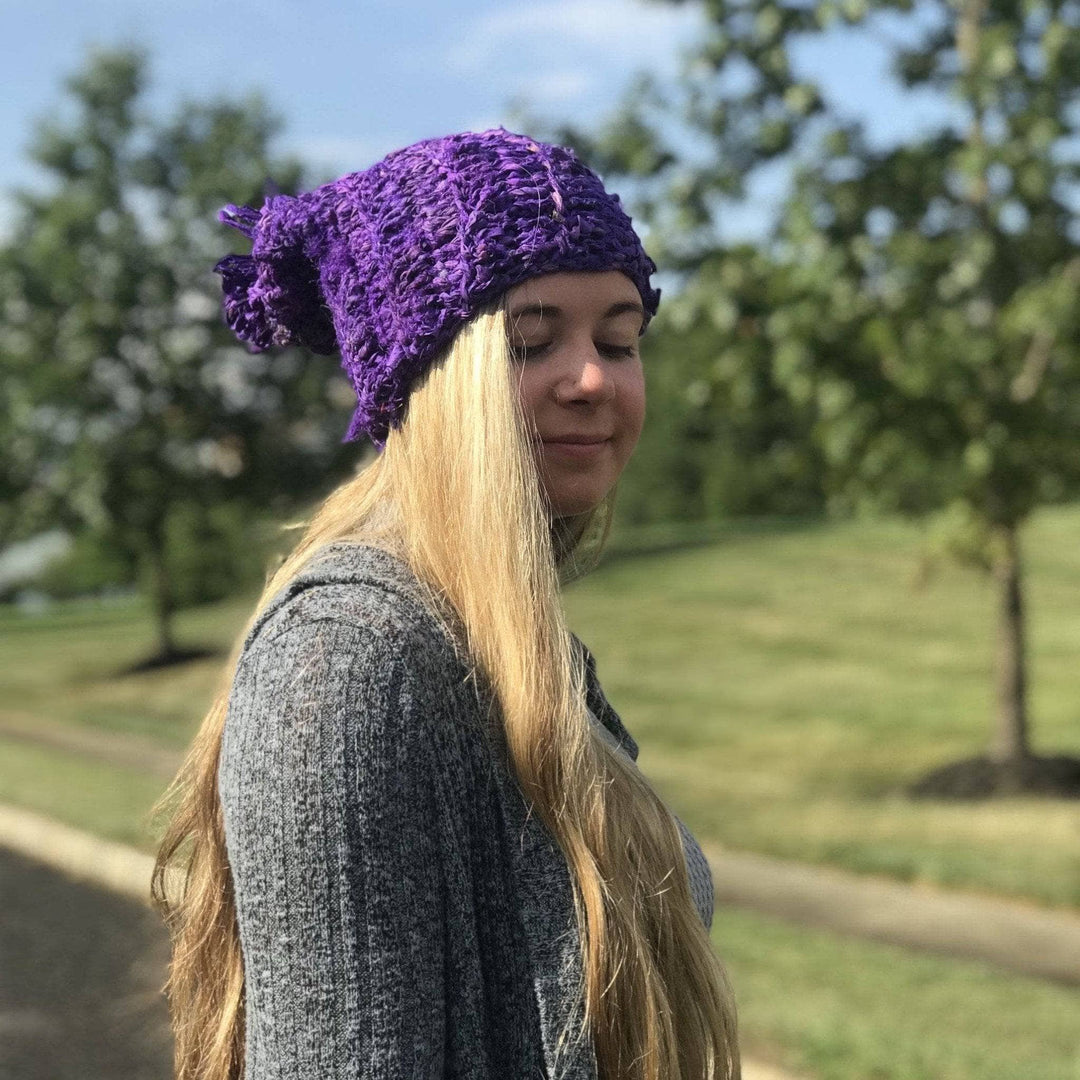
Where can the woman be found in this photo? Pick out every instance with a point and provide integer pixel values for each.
(416, 841)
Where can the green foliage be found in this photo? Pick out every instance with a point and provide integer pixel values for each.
(722, 435)
(211, 551)
(91, 565)
(214, 551)
(126, 402)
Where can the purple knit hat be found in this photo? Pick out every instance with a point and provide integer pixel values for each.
(386, 265)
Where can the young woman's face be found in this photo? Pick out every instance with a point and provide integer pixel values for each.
(574, 338)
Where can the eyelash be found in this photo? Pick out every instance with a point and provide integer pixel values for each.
(622, 352)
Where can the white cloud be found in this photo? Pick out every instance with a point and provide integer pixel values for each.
(628, 31)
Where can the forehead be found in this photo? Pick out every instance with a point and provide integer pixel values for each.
(574, 291)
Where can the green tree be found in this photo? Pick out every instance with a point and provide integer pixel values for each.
(925, 295)
(723, 437)
(129, 411)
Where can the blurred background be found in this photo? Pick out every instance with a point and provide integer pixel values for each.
(840, 612)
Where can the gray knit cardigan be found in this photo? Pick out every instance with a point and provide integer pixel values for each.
(402, 915)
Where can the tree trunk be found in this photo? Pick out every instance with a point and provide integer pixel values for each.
(1011, 742)
(162, 598)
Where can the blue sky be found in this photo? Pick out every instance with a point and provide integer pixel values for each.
(353, 80)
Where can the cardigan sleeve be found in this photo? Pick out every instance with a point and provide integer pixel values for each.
(330, 781)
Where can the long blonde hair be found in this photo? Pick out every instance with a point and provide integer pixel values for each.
(456, 494)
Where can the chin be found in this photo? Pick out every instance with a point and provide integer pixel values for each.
(571, 505)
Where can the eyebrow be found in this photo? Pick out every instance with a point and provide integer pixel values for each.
(621, 308)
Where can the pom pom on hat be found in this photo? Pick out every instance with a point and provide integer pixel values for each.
(272, 297)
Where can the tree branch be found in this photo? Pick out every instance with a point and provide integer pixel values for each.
(1030, 376)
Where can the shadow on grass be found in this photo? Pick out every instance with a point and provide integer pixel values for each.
(978, 778)
(170, 659)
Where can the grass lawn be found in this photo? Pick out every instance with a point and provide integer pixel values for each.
(104, 799)
(62, 665)
(840, 1009)
(784, 684)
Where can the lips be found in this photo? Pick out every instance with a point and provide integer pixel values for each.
(576, 451)
(579, 440)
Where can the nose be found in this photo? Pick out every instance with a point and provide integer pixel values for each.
(584, 376)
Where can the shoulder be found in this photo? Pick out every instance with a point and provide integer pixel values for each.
(351, 636)
(347, 693)
(364, 594)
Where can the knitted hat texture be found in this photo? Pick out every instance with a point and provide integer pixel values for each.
(387, 264)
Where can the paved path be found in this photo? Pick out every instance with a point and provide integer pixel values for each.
(1014, 935)
(80, 980)
(115, 747)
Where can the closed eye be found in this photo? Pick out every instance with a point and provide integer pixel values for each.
(522, 353)
(626, 351)
(528, 352)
